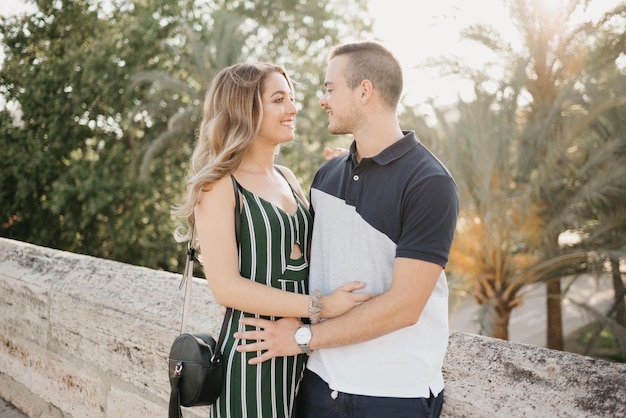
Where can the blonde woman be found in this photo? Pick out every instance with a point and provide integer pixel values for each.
(249, 112)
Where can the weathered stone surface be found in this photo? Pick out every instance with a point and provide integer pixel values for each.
(73, 327)
(86, 337)
(486, 377)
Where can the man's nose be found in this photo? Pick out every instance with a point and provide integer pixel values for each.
(322, 101)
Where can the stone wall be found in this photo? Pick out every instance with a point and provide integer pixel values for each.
(86, 337)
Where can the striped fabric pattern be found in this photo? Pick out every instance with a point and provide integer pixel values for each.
(268, 235)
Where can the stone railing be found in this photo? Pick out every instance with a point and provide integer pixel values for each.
(86, 337)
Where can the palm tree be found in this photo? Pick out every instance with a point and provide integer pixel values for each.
(558, 114)
(299, 37)
(532, 161)
(499, 226)
(176, 96)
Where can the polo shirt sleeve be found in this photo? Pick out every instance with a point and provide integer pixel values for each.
(429, 213)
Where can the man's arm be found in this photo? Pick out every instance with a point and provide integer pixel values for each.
(413, 282)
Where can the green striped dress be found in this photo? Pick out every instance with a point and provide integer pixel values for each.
(268, 235)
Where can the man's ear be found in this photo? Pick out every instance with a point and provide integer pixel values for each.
(367, 88)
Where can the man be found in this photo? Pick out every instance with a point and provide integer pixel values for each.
(384, 214)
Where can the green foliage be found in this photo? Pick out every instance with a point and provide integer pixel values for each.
(299, 37)
(103, 100)
(65, 163)
(600, 338)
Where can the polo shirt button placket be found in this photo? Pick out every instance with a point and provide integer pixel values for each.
(353, 189)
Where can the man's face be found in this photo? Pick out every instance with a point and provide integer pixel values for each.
(339, 101)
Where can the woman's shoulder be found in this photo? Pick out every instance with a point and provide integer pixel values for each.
(217, 189)
(293, 181)
(286, 172)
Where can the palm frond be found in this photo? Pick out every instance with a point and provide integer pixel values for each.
(176, 124)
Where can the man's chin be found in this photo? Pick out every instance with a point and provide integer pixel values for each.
(333, 130)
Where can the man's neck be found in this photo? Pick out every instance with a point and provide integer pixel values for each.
(371, 140)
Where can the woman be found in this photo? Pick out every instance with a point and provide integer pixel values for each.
(248, 113)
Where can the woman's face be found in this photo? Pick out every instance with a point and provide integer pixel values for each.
(279, 111)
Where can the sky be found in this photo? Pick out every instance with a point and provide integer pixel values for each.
(431, 29)
(422, 29)
(414, 30)
(417, 30)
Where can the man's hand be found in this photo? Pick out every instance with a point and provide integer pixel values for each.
(330, 153)
(274, 339)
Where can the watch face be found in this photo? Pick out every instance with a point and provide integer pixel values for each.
(303, 335)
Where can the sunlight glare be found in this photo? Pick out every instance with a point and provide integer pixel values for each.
(549, 7)
(432, 30)
(428, 30)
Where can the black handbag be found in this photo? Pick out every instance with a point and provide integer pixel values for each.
(196, 369)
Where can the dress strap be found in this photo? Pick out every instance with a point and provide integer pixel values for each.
(281, 173)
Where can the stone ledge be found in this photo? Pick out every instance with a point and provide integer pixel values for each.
(87, 337)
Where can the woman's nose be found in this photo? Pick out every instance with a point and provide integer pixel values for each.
(294, 109)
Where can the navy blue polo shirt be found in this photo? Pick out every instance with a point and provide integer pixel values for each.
(404, 192)
(400, 203)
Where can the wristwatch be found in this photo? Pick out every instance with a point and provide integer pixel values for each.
(303, 337)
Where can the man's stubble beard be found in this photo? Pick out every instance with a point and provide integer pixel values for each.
(347, 125)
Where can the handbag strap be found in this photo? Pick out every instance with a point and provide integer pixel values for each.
(174, 404)
(188, 273)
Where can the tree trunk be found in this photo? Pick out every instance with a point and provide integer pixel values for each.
(555, 315)
(500, 325)
(618, 286)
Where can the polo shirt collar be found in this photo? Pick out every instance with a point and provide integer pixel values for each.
(392, 152)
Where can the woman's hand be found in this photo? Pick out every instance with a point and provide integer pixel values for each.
(342, 299)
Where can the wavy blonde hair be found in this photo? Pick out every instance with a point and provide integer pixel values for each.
(231, 119)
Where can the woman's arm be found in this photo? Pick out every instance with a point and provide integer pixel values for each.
(215, 229)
